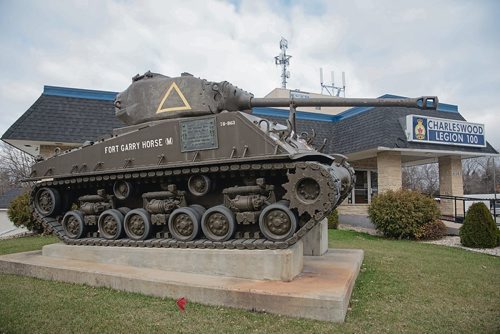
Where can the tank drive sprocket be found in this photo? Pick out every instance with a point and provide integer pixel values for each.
(312, 188)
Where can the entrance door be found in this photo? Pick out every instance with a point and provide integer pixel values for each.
(365, 187)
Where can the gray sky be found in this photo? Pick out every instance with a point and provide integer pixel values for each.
(446, 48)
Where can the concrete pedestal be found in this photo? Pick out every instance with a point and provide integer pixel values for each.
(283, 264)
(322, 291)
(316, 240)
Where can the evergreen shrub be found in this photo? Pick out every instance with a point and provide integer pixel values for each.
(405, 214)
(432, 231)
(19, 213)
(333, 220)
(479, 229)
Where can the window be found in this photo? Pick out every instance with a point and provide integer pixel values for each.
(361, 187)
(365, 187)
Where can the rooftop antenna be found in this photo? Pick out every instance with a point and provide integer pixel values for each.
(284, 60)
(331, 89)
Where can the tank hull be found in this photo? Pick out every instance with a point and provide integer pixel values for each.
(230, 180)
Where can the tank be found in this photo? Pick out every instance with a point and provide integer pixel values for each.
(193, 168)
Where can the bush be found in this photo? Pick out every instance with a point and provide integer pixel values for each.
(432, 231)
(333, 220)
(405, 214)
(19, 213)
(479, 229)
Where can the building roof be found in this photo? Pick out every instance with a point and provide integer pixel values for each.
(9, 195)
(66, 115)
(381, 127)
(367, 129)
(72, 116)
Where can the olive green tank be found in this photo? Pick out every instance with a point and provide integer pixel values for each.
(194, 168)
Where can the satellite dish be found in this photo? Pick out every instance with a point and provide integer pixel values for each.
(288, 74)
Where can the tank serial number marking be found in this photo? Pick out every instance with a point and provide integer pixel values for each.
(228, 123)
(139, 145)
(199, 134)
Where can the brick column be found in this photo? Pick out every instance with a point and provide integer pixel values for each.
(451, 183)
(389, 171)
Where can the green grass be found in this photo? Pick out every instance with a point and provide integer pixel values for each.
(403, 286)
(25, 244)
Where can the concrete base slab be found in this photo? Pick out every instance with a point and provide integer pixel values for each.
(322, 291)
(279, 264)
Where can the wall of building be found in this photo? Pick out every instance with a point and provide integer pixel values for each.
(48, 151)
(451, 183)
(285, 93)
(370, 163)
(389, 171)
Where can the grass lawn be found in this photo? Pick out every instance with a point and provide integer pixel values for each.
(404, 287)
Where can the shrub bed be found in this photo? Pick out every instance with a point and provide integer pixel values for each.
(19, 212)
(479, 229)
(405, 214)
(333, 220)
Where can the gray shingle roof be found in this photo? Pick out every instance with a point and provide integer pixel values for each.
(381, 127)
(71, 115)
(374, 128)
(64, 119)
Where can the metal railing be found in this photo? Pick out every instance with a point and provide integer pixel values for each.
(459, 214)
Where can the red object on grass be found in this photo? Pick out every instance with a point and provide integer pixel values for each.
(181, 303)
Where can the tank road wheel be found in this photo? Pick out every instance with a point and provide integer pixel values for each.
(198, 208)
(218, 223)
(124, 210)
(47, 202)
(277, 222)
(199, 185)
(122, 189)
(110, 224)
(184, 223)
(137, 224)
(311, 189)
(74, 225)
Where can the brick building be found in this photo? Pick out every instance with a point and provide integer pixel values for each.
(377, 141)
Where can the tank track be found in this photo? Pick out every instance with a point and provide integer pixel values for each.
(327, 177)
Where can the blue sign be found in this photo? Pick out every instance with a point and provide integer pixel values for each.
(444, 131)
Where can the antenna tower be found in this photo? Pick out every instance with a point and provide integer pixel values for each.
(284, 60)
(332, 89)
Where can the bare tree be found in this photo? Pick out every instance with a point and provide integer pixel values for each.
(430, 176)
(15, 165)
(410, 178)
(478, 175)
(472, 171)
(423, 178)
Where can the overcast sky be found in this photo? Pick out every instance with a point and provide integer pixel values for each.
(446, 48)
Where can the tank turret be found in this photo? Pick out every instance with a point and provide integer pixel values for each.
(153, 96)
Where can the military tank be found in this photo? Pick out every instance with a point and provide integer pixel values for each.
(193, 168)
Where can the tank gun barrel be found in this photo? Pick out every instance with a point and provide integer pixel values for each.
(423, 102)
(154, 96)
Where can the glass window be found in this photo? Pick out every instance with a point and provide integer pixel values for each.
(374, 183)
(361, 187)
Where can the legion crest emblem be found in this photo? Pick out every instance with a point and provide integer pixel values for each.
(420, 130)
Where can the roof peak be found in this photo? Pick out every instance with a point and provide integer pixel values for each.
(79, 93)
